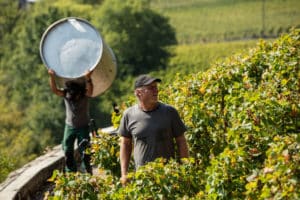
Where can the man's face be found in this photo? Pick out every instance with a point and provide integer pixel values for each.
(148, 93)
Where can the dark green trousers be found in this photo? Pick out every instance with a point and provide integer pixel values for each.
(83, 140)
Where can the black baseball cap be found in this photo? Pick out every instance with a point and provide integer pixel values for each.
(144, 79)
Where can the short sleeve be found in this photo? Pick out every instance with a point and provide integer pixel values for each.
(123, 128)
(178, 127)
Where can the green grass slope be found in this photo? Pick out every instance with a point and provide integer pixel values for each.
(218, 20)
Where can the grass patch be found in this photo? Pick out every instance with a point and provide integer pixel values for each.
(194, 58)
(218, 20)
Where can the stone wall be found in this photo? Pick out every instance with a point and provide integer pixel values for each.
(26, 181)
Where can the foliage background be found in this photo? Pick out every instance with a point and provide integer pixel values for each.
(32, 117)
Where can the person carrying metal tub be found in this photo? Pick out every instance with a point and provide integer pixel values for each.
(76, 97)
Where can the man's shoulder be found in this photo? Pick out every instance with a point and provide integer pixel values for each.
(168, 109)
(131, 109)
(166, 106)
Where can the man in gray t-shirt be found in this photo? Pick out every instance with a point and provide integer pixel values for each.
(151, 126)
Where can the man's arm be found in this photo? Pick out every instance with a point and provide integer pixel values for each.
(89, 84)
(182, 146)
(52, 83)
(125, 154)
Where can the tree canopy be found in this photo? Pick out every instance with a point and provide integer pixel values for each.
(137, 34)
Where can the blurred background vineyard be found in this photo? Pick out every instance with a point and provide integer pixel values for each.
(163, 37)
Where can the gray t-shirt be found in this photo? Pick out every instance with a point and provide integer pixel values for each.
(77, 113)
(153, 132)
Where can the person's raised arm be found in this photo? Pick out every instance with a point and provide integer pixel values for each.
(52, 83)
(182, 146)
(125, 154)
(89, 84)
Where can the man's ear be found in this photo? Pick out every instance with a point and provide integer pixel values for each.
(136, 93)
